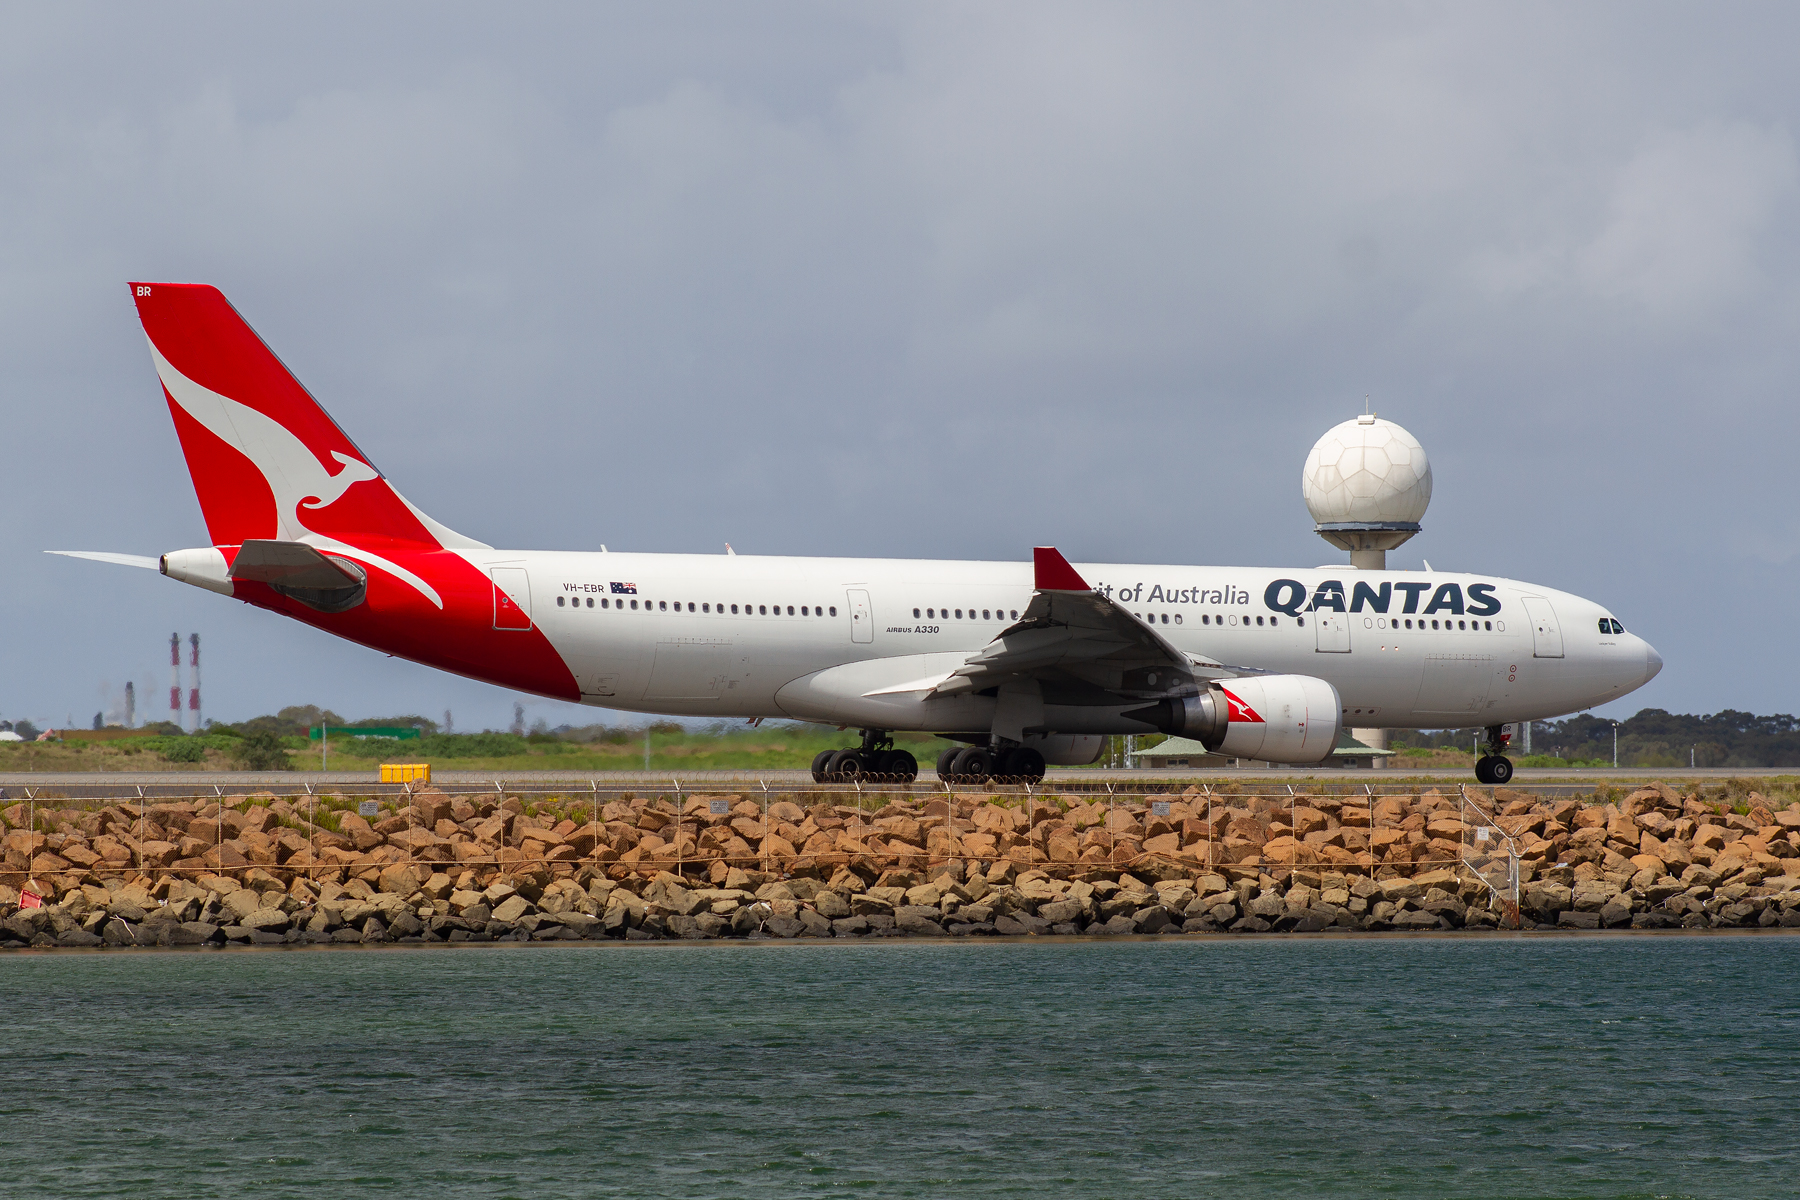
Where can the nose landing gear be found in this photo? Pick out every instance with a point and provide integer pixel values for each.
(1494, 766)
(875, 761)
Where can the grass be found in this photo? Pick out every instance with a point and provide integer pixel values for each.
(771, 747)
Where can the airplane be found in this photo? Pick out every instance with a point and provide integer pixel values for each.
(1023, 665)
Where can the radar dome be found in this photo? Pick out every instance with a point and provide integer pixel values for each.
(1367, 471)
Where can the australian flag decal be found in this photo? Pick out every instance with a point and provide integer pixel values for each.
(624, 589)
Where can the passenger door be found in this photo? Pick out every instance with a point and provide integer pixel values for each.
(512, 598)
(1332, 629)
(1546, 636)
(862, 624)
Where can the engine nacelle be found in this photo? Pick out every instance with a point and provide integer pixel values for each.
(1275, 718)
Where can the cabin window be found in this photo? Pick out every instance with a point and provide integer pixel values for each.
(734, 610)
(834, 610)
(915, 614)
(959, 614)
(804, 613)
(1178, 618)
(1300, 621)
(1234, 618)
(559, 602)
(790, 610)
(1489, 625)
(930, 613)
(1015, 614)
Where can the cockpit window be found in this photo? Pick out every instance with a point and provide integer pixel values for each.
(1618, 628)
(1608, 625)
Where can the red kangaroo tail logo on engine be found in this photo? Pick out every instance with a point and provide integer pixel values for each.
(1239, 710)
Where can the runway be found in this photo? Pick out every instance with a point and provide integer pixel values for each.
(22, 785)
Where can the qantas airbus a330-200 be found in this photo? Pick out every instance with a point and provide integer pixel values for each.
(1024, 664)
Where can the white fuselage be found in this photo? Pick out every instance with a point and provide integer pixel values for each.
(724, 635)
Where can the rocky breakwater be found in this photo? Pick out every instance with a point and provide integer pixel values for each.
(261, 871)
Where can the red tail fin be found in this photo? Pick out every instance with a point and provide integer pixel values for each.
(266, 460)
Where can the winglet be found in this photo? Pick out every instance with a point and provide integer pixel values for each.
(1054, 574)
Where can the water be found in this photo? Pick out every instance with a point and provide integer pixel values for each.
(1621, 1066)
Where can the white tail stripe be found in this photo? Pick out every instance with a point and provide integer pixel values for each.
(294, 474)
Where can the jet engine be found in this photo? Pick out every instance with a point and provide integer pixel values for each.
(1275, 718)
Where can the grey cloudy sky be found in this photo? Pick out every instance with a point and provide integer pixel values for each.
(945, 280)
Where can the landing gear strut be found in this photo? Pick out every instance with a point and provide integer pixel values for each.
(875, 760)
(1494, 766)
(979, 764)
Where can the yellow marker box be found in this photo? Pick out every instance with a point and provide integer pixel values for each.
(406, 772)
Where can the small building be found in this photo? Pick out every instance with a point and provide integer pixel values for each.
(1185, 752)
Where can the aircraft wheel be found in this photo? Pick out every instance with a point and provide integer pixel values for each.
(1500, 770)
(901, 766)
(972, 764)
(1484, 769)
(846, 766)
(821, 761)
(946, 760)
(1028, 765)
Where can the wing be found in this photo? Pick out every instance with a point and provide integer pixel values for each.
(1080, 647)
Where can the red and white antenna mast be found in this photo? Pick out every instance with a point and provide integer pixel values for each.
(175, 678)
(194, 679)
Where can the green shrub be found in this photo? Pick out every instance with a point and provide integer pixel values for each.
(260, 750)
(185, 751)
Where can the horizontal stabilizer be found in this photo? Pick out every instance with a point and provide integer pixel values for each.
(294, 564)
(107, 556)
(320, 581)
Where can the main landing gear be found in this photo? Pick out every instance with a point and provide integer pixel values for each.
(979, 764)
(1494, 766)
(875, 761)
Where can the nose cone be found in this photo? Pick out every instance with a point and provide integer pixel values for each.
(1652, 662)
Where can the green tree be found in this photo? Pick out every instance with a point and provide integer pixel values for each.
(260, 750)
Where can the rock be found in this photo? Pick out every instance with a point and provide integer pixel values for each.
(1572, 919)
(192, 933)
(867, 904)
(1700, 876)
(271, 920)
(1268, 906)
(78, 937)
(918, 920)
(1615, 912)
(784, 927)
(374, 931)
(1023, 923)
(1061, 910)
(1395, 890)
(511, 909)
(816, 923)
(832, 905)
(1416, 919)
(1151, 920)
(850, 926)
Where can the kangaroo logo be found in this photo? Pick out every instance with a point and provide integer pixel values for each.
(294, 473)
(1239, 710)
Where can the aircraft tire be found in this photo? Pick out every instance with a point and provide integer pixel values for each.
(821, 761)
(1484, 769)
(901, 767)
(1027, 766)
(946, 760)
(1500, 769)
(845, 766)
(972, 764)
